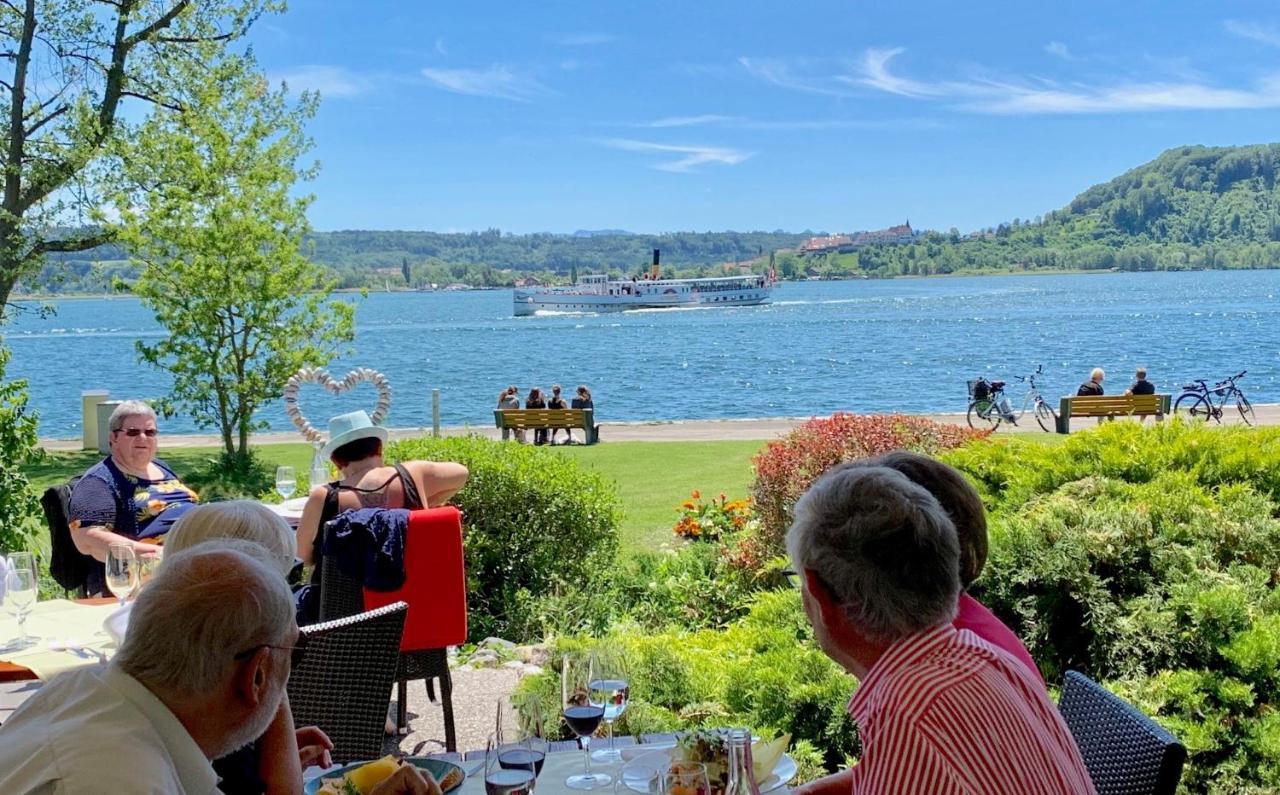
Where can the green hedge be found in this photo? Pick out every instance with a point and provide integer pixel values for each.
(541, 535)
(1149, 559)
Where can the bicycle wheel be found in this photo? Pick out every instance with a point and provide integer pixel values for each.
(983, 414)
(1193, 406)
(1246, 409)
(1047, 418)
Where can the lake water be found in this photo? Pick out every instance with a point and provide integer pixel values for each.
(861, 346)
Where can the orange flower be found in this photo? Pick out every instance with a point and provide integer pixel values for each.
(688, 505)
(697, 495)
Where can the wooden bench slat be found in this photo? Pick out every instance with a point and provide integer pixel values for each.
(1110, 406)
(533, 419)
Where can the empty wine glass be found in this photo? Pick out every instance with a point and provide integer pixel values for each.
(581, 716)
(609, 690)
(121, 571)
(286, 482)
(20, 591)
(505, 771)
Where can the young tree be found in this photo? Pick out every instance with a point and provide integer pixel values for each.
(211, 219)
(69, 69)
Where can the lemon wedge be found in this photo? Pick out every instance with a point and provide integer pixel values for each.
(765, 755)
(366, 777)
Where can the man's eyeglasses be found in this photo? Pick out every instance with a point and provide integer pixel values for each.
(297, 652)
(150, 433)
(793, 577)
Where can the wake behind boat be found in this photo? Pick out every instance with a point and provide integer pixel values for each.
(599, 293)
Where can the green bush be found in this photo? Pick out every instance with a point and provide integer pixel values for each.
(1149, 558)
(541, 535)
(763, 671)
(692, 587)
(19, 508)
(235, 477)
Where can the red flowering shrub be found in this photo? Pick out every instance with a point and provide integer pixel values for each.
(785, 468)
(710, 520)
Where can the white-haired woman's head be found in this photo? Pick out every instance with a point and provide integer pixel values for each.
(882, 547)
(242, 519)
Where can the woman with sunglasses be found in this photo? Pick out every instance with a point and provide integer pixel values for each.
(130, 496)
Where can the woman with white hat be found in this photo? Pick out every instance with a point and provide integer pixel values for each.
(355, 448)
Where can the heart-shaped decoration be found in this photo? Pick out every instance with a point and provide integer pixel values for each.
(314, 375)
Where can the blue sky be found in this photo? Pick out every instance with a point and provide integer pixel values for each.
(838, 116)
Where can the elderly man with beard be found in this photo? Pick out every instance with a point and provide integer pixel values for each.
(201, 672)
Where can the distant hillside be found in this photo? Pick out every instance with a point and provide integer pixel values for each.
(1191, 207)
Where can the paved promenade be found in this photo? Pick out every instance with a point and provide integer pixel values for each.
(673, 431)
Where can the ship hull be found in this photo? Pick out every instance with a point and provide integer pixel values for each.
(531, 301)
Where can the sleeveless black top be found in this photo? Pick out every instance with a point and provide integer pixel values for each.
(412, 501)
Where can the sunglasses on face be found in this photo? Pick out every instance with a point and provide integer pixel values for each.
(150, 433)
(297, 652)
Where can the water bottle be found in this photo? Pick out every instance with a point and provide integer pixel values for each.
(319, 469)
(742, 775)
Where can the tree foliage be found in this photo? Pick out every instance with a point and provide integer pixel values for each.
(210, 217)
(18, 509)
(69, 69)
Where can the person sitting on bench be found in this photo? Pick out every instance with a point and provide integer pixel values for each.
(1141, 386)
(1093, 386)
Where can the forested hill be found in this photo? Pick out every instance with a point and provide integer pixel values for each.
(1191, 207)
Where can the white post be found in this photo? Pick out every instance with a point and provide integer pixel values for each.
(89, 400)
(104, 410)
(435, 412)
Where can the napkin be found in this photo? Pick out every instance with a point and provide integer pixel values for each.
(632, 751)
(117, 623)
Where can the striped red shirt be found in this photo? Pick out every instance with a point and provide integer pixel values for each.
(943, 711)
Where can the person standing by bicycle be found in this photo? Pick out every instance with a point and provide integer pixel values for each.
(1141, 386)
(1093, 386)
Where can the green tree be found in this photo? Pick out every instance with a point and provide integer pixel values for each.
(70, 71)
(211, 219)
(17, 448)
(404, 271)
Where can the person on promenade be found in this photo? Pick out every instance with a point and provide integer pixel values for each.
(355, 448)
(1141, 386)
(1093, 386)
(964, 507)
(535, 400)
(130, 496)
(510, 399)
(582, 400)
(939, 710)
(557, 402)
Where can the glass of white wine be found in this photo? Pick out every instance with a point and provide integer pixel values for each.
(20, 591)
(121, 571)
(286, 482)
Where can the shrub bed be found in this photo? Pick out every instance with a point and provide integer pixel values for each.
(1149, 559)
(541, 535)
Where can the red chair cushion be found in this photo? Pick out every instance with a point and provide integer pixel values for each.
(435, 585)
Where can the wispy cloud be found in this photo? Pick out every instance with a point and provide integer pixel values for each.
(1254, 31)
(581, 39)
(1058, 50)
(688, 158)
(784, 73)
(331, 81)
(746, 123)
(441, 49)
(1037, 96)
(499, 80)
(688, 121)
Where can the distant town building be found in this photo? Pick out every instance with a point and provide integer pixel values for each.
(903, 233)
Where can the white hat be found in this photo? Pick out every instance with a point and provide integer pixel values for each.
(346, 428)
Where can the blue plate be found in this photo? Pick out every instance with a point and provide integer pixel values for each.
(438, 768)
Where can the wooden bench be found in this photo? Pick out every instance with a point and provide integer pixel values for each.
(533, 419)
(1110, 406)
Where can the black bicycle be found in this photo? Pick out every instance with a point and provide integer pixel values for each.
(1199, 401)
(988, 404)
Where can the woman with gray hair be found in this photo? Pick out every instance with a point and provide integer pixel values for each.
(245, 519)
(129, 497)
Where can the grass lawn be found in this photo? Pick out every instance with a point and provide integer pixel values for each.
(652, 477)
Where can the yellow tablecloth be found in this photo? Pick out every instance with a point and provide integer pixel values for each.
(58, 621)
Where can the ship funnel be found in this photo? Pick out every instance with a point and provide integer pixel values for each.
(654, 270)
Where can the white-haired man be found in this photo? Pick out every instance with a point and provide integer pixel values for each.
(201, 673)
(938, 709)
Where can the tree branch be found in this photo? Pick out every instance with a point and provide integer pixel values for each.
(164, 21)
(162, 103)
(33, 128)
(74, 243)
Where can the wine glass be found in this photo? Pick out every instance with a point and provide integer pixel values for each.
(686, 778)
(286, 482)
(121, 571)
(504, 773)
(582, 717)
(638, 778)
(20, 591)
(609, 690)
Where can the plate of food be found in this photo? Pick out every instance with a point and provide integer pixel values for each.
(360, 778)
(773, 767)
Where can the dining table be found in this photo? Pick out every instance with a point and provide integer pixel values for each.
(65, 634)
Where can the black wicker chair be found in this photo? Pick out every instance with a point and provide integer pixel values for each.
(340, 596)
(343, 683)
(1125, 751)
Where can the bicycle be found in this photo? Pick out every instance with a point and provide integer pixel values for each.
(1197, 401)
(988, 404)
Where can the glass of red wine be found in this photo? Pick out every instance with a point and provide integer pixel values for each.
(519, 735)
(582, 717)
(501, 777)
